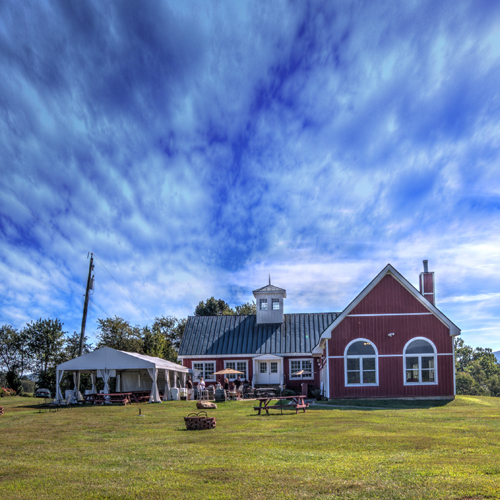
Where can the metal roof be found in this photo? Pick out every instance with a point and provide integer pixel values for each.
(270, 289)
(218, 335)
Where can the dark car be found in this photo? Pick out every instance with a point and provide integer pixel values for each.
(42, 393)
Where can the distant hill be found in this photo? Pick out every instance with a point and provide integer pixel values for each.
(497, 354)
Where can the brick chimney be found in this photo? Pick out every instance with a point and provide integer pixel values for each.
(427, 284)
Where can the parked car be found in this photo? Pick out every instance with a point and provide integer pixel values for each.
(42, 393)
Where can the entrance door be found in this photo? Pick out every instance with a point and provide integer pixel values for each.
(268, 372)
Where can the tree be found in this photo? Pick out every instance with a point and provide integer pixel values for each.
(118, 334)
(45, 340)
(15, 355)
(171, 330)
(246, 309)
(478, 372)
(153, 342)
(72, 346)
(213, 307)
(217, 307)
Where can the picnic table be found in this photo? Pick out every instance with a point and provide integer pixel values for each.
(115, 397)
(297, 403)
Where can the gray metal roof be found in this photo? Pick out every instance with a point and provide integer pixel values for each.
(212, 335)
(269, 289)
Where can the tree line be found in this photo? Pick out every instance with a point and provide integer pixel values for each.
(39, 347)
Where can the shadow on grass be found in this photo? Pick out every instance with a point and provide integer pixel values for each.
(380, 404)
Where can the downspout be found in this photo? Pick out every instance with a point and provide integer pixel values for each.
(327, 371)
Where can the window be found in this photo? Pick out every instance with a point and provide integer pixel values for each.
(420, 362)
(276, 304)
(361, 363)
(241, 366)
(274, 367)
(263, 367)
(263, 304)
(301, 365)
(206, 370)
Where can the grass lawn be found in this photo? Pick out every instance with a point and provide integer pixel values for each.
(443, 451)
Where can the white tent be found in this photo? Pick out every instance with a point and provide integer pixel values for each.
(132, 371)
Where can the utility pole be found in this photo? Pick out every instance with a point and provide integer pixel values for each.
(90, 286)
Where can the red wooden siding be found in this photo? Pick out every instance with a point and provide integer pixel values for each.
(389, 297)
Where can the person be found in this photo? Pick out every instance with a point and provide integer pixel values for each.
(189, 386)
(226, 384)
(201, 384)
(237, 384)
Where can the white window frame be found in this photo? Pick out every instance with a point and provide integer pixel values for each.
(261, 303)
(303, 376)
(273, 302)
(361, 357)
(234, 376)
(420, 356)
(204, 363)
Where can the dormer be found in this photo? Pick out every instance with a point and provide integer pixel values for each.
(269, 301)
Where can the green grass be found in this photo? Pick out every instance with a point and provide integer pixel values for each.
(450, 451)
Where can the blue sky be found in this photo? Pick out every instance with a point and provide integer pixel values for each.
(195, 147)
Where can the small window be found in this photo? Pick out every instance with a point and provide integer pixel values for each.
(420, 363)
(276, 304)
(361, 364)
(263, 304)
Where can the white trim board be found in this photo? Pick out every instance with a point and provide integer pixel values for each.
(387, 314)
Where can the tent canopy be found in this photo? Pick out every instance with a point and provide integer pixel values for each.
(107, 362)
(107, 358)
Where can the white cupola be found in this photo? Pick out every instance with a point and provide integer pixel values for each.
(269, 301)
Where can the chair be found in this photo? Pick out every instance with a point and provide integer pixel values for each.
(67, 402)
(211, 392)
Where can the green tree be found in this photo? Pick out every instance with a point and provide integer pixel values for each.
(213, 307)
(478, 372)
(15, 355)
(72, 346)
(171, 329)
(154, 342)
(118, 334)
(45, 340)
(246, 309)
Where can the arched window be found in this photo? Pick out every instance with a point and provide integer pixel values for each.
(420, 362)
(361, 366)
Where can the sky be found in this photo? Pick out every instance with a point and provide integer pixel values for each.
(198, 147)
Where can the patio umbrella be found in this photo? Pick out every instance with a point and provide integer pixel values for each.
(227, 371)
(299, 372)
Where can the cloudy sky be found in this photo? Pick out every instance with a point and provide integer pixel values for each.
(197, 146)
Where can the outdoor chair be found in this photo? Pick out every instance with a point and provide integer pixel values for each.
(67, 402)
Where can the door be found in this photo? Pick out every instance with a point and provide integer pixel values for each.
(263, 372)
(273, 372)
(268, 372)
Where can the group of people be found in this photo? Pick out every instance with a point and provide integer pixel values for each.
(236, 386)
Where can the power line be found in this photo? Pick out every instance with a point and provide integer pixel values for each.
(97, 258)
(107, 314)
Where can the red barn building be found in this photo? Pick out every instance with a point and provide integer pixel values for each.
(390, 342)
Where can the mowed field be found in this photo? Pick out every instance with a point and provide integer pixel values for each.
(447, 451)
